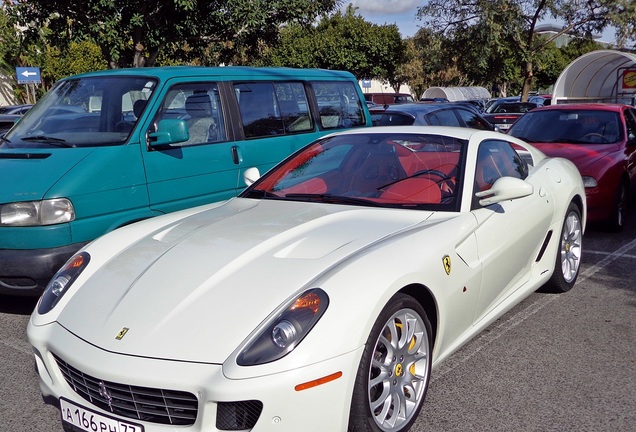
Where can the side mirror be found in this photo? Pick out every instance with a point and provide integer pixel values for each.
(251, 175)
(169, 131)
(504, 189)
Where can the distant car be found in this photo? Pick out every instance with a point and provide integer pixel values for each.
(432, 114)
(504, 114)
(388, 98)
(601, 141)
(7, 121)
(320, 299)
(435, 99)
(15, 109)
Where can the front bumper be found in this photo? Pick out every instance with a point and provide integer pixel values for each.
(284, 409)
(26, 272)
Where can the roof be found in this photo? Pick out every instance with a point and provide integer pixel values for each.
(582, 107)
(221, 71)
(603, 75)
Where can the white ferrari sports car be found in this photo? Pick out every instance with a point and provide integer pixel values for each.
(320, 299)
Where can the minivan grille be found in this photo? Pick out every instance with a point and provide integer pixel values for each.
(140, 403)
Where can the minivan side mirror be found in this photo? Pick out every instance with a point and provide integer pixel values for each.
(169, 131)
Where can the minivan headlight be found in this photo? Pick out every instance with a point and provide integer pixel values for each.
(62, 281)
(286, 330)
(36, 213)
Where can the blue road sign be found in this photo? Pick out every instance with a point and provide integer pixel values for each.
(28, 75)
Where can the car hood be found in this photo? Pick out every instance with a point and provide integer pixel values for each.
(195, 289)
(582, 155)
(35, 170)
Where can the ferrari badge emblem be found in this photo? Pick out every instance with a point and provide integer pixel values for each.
(122, 333)
(447, 264)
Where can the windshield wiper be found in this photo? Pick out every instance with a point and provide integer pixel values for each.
(260, 193)
(333, 199)
(54, 141)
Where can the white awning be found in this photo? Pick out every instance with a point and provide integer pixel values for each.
(457, 93)
(598, 76)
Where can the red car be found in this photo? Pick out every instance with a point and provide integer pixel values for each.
(601, 141)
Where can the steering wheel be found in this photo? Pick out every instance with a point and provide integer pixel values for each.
(596, 135)
(445, 178)
(438, 173)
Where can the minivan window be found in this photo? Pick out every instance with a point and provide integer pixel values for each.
(199, 104)
(273, 108)
(338, 104)
(86, 112)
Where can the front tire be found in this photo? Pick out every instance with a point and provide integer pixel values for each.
(616, 223)
(394, 371)
(568, 257)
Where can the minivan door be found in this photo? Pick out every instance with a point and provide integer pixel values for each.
(200, 169)
(279, 117)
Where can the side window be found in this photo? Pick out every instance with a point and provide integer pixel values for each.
(199, 105)
(444, 117)
(293, 107)
(496, 159)
(258, 109)
(473, 120)
(630, 122)
(269, 109)
(338, 104)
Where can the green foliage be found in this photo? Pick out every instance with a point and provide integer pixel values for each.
(80, 57)
(134, 32)
(344, 42)
(502, 32)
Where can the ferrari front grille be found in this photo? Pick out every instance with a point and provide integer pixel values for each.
(235, 416)
(140, 403)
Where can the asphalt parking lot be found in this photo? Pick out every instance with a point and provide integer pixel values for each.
(554, 363)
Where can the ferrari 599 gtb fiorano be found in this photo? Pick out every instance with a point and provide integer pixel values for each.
(320, 299)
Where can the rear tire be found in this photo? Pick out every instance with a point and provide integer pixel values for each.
(394, 371)
(568, 257)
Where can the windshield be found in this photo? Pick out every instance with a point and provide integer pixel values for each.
(421, 171)
(568, 126)
(83, 112)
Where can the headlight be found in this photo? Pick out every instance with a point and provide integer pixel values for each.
(62, 281)
(589, 182)
(34, 213)
(286, 330)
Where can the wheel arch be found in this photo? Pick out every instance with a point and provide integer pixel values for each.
(578, 201)
(424, 297)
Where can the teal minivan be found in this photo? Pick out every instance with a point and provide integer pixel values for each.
(106, 149)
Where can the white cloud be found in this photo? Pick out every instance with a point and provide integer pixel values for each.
(384, 7)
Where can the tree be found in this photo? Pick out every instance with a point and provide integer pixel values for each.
(80, 57)
(134, 32)
(344, 41)
(509, 25)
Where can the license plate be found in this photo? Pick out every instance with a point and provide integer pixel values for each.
(84, 419)
(503, 125)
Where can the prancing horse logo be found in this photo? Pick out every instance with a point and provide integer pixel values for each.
(122, 333)
(446, 261)
(103, 392)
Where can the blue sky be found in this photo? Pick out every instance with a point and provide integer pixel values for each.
(399, 12)
(403, 14)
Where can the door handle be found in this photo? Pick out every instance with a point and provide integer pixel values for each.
(236, 155)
